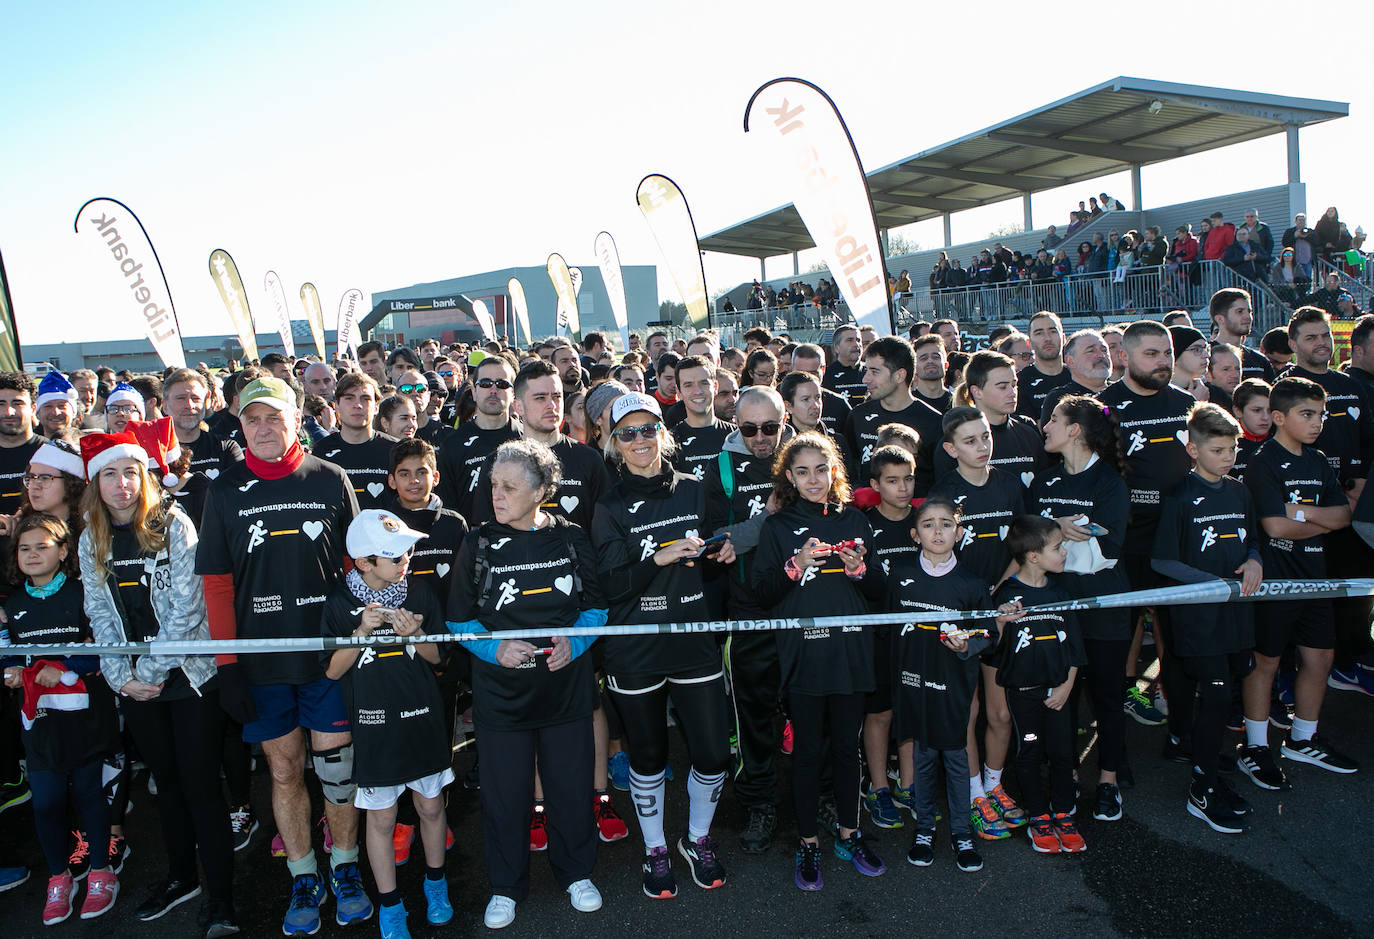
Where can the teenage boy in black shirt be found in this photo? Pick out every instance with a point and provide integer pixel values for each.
(357, 447)
(18, 442)
(889, 364)
(928, 384)
(462, 455)
(1017, 445)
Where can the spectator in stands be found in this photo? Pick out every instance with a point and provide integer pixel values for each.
(1222, 233)
(1093, 208)
(1274, 345)
(1346, 309)
(1288, 278)
(1052, 238)
(904, 283)
(727, 306)
(1041, 270)
(1109, 204)
(1303, 241)
(1329, 240)
(1085, 252)
(1154, 248)
(1259, 232)
(1246, 258)
(1098, 255)
(1329, 295)
(1075, 223)
(956, 276)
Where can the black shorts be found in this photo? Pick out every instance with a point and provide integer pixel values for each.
(880, 698)
(1308, 623)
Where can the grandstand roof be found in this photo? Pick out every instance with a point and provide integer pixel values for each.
(1105, 129)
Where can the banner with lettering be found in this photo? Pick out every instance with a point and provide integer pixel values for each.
(276, 292)
(484, 319)
(670, 220)
(614, 279)
(225, 273)
(812, 149)
(314, 314)
(11, 357)
(133, 274)
(346, 330)
(567, 297)
(576, 274)
(522, 310)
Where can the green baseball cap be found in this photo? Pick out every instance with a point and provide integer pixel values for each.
(272, 392)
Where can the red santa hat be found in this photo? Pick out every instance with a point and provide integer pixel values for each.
(100, 450)
(158, 440)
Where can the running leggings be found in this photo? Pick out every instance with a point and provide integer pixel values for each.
(1042, 731)
(182, 743)
(812, 715)
(1106, 676)
(49, 788)
(703, 714)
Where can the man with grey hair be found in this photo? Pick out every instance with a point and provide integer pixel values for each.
(319, 380)
(1089, 363)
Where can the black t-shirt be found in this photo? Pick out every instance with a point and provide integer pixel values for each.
(892, 542)
(1245, 450)
(1154, 429)
(210, 456)
(1038, 648)
(1059, 393)
(933, 687)
(14, 463)
(988, 511)
(1211, 527)
(395, 712)
(1018, 448)
(941, 402)
(434, 432)
(698, 446)
(534, 582)
(835, 410)
(585, 480)
(367, 465)
(862, 433)
(1347, 438)
(675, 413)
(847, 381)
(461, 458)
(635, 519)
(1033, 386)
(436, 553)
(283, 542)
(1276, 478)
(1255, 364)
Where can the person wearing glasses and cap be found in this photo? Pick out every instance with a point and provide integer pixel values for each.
(462, 454)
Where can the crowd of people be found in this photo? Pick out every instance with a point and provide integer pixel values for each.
(555, 489)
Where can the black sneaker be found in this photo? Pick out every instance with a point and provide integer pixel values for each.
(218, 920)
(701, 854)
(1258, 764)
(922, 853)
(1212, 808)
(472, 779)
(757, 836)
(659, 883)
(1238, 803)
(242, 824)
(966, 856)
(1280, 716)
(79, 861)
(1319, 753)
(165, 896)
(119, 853)
(1177, 751)
(1108, 807)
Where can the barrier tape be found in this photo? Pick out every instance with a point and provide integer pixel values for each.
(1214, 591)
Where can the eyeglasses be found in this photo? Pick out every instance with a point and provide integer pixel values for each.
(411, 389)
(493, 383)
(767, 428)
(42, 479)
(121, 409)
(644, 431)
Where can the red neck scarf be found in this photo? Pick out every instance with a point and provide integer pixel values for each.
(1254, 438)
(290, 462)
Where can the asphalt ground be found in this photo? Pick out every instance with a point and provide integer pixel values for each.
(1301, 869)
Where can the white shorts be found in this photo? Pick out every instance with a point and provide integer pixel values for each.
(384, 797)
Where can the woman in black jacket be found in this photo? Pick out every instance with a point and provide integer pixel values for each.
(810, 562)
(647, 533)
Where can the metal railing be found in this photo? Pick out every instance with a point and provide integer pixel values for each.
(1359, 282)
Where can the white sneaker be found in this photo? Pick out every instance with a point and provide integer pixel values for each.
(585, 897)
(500, 912)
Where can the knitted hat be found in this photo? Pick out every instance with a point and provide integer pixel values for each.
(1183, 337)
(600, 397)
(123, 393)
(55, 387)
(158, 440)
(100, 450)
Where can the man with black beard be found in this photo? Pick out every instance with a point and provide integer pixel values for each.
(18, 442)
(1047, 372)
(1089, 362)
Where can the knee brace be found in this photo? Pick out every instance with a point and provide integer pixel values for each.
(335, 771)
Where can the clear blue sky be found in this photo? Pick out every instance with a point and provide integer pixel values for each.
(378, 146)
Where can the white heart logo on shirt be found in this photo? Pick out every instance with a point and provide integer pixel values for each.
(1182, 436)
(691, 533)
(564, 584)
(312, 529)
(1353, 412)
(569, 503)
(1002, 532)
(374, 489)
(1027, 478)
(212, 474)
(442, 569)
(1240, 533)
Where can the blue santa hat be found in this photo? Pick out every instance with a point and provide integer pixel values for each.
(55, 387)
(124, 393)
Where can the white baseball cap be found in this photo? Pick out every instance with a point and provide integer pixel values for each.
(377, 533)
(634, 401)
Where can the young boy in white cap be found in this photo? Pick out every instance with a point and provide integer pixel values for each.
(395, 710)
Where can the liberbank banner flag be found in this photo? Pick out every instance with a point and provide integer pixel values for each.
(567, 295)
(133, 273)
(812, 148)
(276, 292)
(522, 310)
(614, 279)
(225, 274)
(350, 311)
(314, 313)
(11, 359)
(484, 319)
(665, 209)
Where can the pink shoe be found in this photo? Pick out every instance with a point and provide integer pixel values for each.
(278, 846)
(328, 838)
(102, 887)
(59, 905)
(787, 739)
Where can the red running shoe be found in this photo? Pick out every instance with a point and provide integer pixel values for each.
(787, 738)
(401, 840)
(608, 824)
(539, 828)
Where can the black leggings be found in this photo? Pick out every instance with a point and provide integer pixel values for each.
(1106, 675)
(703, 714)
(1213, 677)
(181, 741)
(50, 802)
(237, 762)
(812, 716)
(1042, 731)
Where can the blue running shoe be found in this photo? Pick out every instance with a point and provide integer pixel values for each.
(439, 909)
(618, 768)
(1351, 679)
(881, 808)
(11, 877)
(392, 920)
(351, 903)
(854, 850)
(303, 915)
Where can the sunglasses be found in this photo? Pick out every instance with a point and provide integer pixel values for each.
(411, 389)
(493, 383)
(644, 431)
(446, 374)
(768, 429)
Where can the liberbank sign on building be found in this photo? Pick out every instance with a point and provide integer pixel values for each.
(443, 309)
